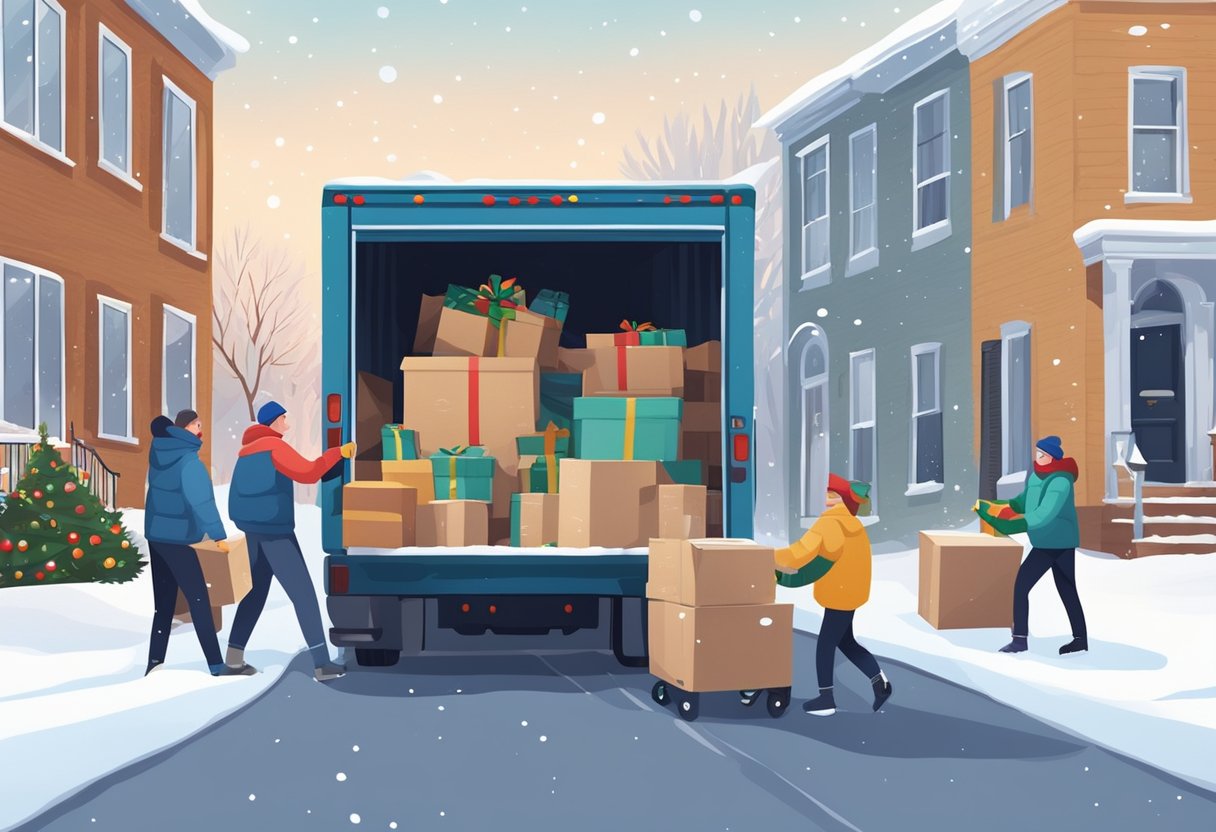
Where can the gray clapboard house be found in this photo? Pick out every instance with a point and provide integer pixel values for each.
(877, 159)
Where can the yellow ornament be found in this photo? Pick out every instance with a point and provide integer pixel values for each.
(126, 544)
(18, 574)
(108, 563)
(51, 504)
(54, 523)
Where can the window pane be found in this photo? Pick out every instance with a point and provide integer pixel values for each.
(931, 158)
(179, 364)
(18, 28)
(815, 242)
(1019, 108)
(1155, 102)
(931, 119)
(926, 382)
(862, 468)
(815, 193)
(929, 464)
(862, 161)
(1019, 404)
(50, 77)
(18, 346)
(814, 449)
(863, 389)
(114, 371)
(813, 362)
(114, 103)
(50, 354)
(179, 170)
(863, 229)
(931, 202)
(816, 161)
(1154, 161)
(1019, 170)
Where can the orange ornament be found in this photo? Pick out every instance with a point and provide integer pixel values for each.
(95, 539)
(78, 553)
(84, 475)
(126, 544)
(18, 574)
(50, 503)
(116, 529)
(108, 563)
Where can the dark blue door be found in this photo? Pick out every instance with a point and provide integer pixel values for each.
(1158, 401)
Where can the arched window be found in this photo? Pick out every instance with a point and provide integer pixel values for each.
(813, 434)
(1159, 296)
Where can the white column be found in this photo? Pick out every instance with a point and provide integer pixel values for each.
(1116, 326)
(1205, 361)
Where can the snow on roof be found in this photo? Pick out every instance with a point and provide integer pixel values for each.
(748, 176)
(204, 41)
(1146, 238)
(16, 434)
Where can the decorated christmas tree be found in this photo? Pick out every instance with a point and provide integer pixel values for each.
(53, 530)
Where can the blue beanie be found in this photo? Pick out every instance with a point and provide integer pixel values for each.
(1051, 446)
(270, 411)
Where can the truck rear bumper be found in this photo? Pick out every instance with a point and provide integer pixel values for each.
(355, 637)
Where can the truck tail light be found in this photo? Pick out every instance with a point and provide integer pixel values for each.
(333, 407)
(742, 447)
(569, 608)
(339, 579)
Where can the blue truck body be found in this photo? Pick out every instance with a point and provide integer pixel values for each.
(366, 591)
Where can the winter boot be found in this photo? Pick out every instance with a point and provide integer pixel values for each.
(225, 670)
(1018, 645)
(882, 689)
(822, 705)
(154, 667)
(235, 658)
(329, 672)
(1077, 645)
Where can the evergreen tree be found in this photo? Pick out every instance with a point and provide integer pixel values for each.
(53, 530)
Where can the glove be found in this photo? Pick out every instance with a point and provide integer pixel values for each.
(1007, 513)
(348, 450)
(222, 546)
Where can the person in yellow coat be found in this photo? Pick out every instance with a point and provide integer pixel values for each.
(835, 556)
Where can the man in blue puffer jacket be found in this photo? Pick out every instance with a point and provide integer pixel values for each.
(179, 511)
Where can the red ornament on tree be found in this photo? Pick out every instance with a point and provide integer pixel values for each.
(95, 539)
(80, 509)
(116, 529)
(37, 494)
(84, 476)
(39, 575)
(69, 487)
(50, 566)
(6, 545)
(73, 537)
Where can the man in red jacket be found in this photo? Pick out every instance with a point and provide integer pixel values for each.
(261, 502)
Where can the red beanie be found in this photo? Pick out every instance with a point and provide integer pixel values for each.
(843, 489)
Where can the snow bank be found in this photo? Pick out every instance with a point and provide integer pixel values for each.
(73, 697)
(1146, 688)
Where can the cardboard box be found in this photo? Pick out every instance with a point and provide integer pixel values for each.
(702, 386)
(574, 360)
(377, 529)
(715, 515)
(602, 501)
(227, 575)
(706, 447)
(705, 357)
(681, 512)
(533, 335)
(534, 519)
(729, 648)
(465, 333)
(966, 580)
(417, 474)
(500, 530)
(373, 410)
(627, 428)
(702, 417)
(711, 573)
(472, 401)
(391, 497)
(527, 335)
(635, 371)
(428, 325)
(452, 523)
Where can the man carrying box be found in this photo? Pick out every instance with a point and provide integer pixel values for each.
(262, 504)
(835, 555)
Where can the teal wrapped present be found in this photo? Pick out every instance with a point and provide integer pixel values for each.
(536, 476)
(557, 394)
(684, 471)
(663, 338)
(463, 473)
(399, 442)
(551, 303)
(553, 440)
(627, 428)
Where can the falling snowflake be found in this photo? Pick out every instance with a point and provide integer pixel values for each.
(598, 118)
(1138, 31)
(273, 201)
(437, 98)
(695, 16)
(382, 12)
(388, 74)
(823, 313)
(354, 817)
(633, 53)
(293, 40)
(341, 776)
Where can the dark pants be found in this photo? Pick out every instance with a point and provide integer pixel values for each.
(1063, 566)
(175, 566)
(279, 556)
(837, 634)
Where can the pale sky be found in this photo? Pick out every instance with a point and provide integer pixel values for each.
(542, 89)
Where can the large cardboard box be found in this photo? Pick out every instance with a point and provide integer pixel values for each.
(373, 410)
(471, 401)
(454, 523)
(534, 519)
(377, 529)
(966, 580)
(527, 335)
(715, 515)
(392, 497)
(227, 575)
(464, 333)
(602, 501)
(532, 335)
(417, 474)
(706, 357)
(428, 324)
(635, 371)
(711, 572)
(681, 511)
(722, 648)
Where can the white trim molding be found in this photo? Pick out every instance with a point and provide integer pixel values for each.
(927, 235)
(104, 34)
(171, 89)
(1182, 168)
(192, 321)
(820, 275)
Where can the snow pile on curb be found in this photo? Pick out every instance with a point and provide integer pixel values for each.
(1146, 688)
(73, 697)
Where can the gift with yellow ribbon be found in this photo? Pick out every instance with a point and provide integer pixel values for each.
(463, 473)
(399, 442)
(627, 428)
(548, 447)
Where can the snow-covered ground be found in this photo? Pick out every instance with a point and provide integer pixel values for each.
(1146, 688)
(74, 702)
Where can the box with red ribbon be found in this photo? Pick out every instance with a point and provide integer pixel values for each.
(492, 321)
(634, 371)
(629, 336)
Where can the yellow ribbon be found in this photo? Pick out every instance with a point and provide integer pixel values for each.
(502, 337)
(631, 417)
(397, 436)
(552, 432)
(452, 477)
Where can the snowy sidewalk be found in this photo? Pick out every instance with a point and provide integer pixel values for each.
(74, 703)
(1146, 688)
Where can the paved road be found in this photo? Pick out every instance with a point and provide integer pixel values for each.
(573, 741)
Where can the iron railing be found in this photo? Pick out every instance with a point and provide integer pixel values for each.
(14, 459)
(102, 481)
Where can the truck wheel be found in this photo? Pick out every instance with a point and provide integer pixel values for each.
(748, 697)
(689, 705)
(375, 657)
(660, 694)
(778, 701)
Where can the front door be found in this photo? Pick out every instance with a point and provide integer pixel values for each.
(1158, 401)
(814, 448)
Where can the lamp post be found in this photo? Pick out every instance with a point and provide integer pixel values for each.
(1137, 464)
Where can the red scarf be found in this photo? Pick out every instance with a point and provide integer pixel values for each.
(1066, 465)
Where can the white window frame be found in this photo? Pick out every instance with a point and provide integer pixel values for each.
(916, 486)
(33, 138)
(820, 275)
(1012, 81)
(930, 234)
(860, 261)
(168, 310)
(1010, 332)
(855, 358)
(40, 275)
(817, 337)
(189, 246)
(122, 306)
(104, 34)
(1182, 172)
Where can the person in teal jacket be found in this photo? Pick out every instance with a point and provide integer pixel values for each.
(1047, 511)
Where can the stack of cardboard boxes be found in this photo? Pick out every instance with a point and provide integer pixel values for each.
(507, 439)
(714, 625)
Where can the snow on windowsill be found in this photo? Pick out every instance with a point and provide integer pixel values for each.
(184, 246)
(120, 174)
(1133, 198)
(921, 488)
(817, 278)
(930, 235)
(35, 142)
(126, 440)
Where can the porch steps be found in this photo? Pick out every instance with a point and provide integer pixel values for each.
(1178, 520)
(1181, 544)
(1173, 525)
(1199, 489)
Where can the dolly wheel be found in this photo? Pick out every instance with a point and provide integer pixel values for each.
(749, 697)
(689, 706)
(660, 694)
(778, 701)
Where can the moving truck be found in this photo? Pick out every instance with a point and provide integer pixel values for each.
(676, 254)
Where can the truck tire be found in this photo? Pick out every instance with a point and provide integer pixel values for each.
(374, 657)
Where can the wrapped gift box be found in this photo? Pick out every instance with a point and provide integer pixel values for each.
(685, 471)
(534, 519)
(663, 338)
(602, 503)
(417, 474)
(398, 442)
(966, 580)
(711, 572)
(542, 450)
(630, 335)
(454, 523)
(634, 371)
(627, 428)
(552, 440)
(722, 648)
(515, 333)
(464, 473)
(553, 304)
(537, 476)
